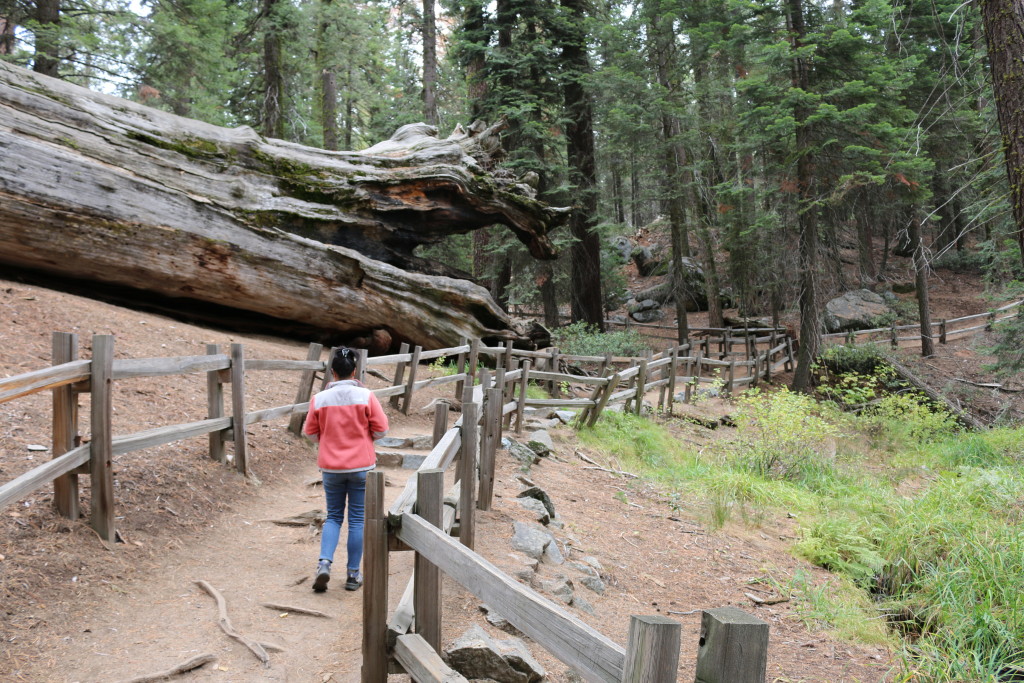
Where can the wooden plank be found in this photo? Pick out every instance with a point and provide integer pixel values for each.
(439, 457)
(461, 369)
(328, 375)
(162, 435)
(467, 473)
(436, 381)
(641, 387)
(422, 663)
(215, 406)
(34, 479)
(489, 451)
(101, 451)
(400, 374)
(594, 655)
(305, 390)
(474, 359)
(733, 647)
(129, 368)
(271, 365)
(652, 655)
(564, 377)
(375, 585)
(65, 427)
(440, 422)
(400, 357)
(560, 402)
(414, 365)
(273, 413)
(238, 407)
(613, 382)
(427, 593)
(43, 380)
(390, 391)
(524, 383)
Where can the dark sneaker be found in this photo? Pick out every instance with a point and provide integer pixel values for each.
(355, 580)
(323, 575)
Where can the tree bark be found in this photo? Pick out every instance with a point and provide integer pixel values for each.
(810, 315)
(429, 63)
(7, 36)
(585, 252)
(273, 85)
(921, 282)
(145, 200)
(1004, 33)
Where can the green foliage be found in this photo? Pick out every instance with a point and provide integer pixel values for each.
(581, 339)
(1009, 349)
(905, 420)
(841, 545)
(862, 360)
(633, 439)
(782, 435)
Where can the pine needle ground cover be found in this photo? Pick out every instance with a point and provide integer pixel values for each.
(919, 522)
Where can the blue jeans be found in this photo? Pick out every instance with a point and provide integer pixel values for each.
(339, 486)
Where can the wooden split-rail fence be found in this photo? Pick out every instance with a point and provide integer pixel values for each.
(422, 517)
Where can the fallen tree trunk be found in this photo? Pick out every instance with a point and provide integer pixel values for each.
(103, 190)
(962, 416)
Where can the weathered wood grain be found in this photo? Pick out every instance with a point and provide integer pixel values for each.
(594, 655)
(422, 663)
(128, 368)
(32, 480)
(42, 380)
(169, 434)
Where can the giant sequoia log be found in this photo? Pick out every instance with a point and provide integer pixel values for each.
(103, 190)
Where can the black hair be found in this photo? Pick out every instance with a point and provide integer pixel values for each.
(344, 363)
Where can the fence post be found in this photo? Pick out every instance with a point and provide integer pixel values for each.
(990, 321)
(595, 395)
(942, 331)
(474, 358)
(524, 383)
(507, 364)
(427, 577)
(304, 392)
(375, 597)
(467, 469)
(101, 470)
(65, 427)
(215, 406)
(732, 376)
(413, 365)
(238, 407)
(652, 655)
(461, 368)
(790, 360)
(733, 647)
(399, 373)
(328, 377)
(641, 384)
(553, 367)
(609, 389)
(893, 336)
(361, 355)
(440, 421)
(673, 367)
(490, 446)
(688, 387)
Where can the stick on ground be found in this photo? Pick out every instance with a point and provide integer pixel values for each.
(225, 624)
(297, 610)
(184, 667)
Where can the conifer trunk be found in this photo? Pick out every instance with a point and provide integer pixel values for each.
(921, 282)
(429, 63)
(273, 87)
(47, 59)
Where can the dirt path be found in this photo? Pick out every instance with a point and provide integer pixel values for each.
(162, 618)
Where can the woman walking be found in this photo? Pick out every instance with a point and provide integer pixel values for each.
(344, 419)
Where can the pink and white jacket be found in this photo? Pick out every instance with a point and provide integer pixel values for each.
(344, 420)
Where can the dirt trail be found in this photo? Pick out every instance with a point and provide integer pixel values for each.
(162, 618)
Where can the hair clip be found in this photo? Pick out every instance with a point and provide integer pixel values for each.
(345, 352)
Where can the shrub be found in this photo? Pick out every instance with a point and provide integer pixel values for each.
(909, 419)
(583, 339)
(851, 358)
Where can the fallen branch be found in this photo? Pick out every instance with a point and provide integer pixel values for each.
(988, 385)
(225, 625)
(296, 610)
(765, 601)
(184, 667)
(605, 469)
(584, 458)
(962, 416)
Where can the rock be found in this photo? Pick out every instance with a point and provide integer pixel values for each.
(635, 306)
(495, 619)
(553, 554)
(36, 447)
(541, 495)
(530, 540)
(537, 508)
(423, 442)
(390, 458)
(646, 263)
(521, 453)
(565, 416)
(856, 310)
(412, 461)
(594, 583)
(593, 562)
(580, 603)
(584, 568)
(647, 316)
(392, 442)
(543, 424)
(560, 587)
(476, 655)
(540, 443)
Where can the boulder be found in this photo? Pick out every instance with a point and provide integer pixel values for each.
(647, 264)
(539, 494)
(647, 316)
(476, 655)
(530, 540)
(553, 554)
(560, 587)
(856, 310)
(521, 452)
(581, 603)
(540, 443)
(537, 509)
(622, 247)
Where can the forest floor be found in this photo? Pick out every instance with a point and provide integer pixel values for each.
(74, 609)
